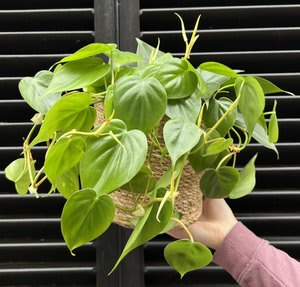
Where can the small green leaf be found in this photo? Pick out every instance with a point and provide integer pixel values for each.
(143, 182)
(185, 256)
(176, 77)
(147, 228)
(215, 110)
(68, 183)
(88, 51)
(32, 90)
(109, 162)
(187, 108)
(273, 129)
(64, 155)
(120, 58)
(70, 112)
(218, 146)
(86, 216)
(218, 68)
(144, 50)
(211, 82)
(17, 171)
(108, 101)
(77, 74)
(269, 88)
(246, 182)
(180, 137)
(252, 101)
(218, 183)
(140, 103)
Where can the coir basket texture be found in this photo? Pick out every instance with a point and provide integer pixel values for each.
(188, 201)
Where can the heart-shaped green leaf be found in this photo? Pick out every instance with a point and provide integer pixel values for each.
(252, 100)
(187, 108)
(218, 146)
(180, 137)
(33, 89)
(185, 256)
(77, 74)
(147, 228)
(88, 51)
(140, 103)
(68, 183)
(218, 183)
(216, 109)
(112, 159)
(176, 77)
(86, 216)
(143, 182)
(70, 112)
(218, 68)
(246, 182)
(64, 155)
(145, 51)
(17, 171)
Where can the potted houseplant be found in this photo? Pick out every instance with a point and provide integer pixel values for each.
(131, 137)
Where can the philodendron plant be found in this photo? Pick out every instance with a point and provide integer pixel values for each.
(212, 113)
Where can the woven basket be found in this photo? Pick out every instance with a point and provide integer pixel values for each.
(188, 202)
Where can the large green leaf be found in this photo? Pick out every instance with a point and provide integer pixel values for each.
(68, 183)
(33, 89)
(147, 228)
(216, 109)
(64, 155)
(88, 51)
(86, 216)
(218, 68)
(140, 103)
(143, 182)
(177, 78)
(180, 137)
(70, 112)
(110, 162)
(219, 183)
(184, 255)
(252, 101)
(246, 182)
(187, 108)
(17, 171)
(77, 74)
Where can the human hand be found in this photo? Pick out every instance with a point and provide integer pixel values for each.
(214, 224)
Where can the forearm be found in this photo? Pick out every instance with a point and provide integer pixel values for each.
(253, 262)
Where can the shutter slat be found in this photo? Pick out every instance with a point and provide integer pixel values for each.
(47, 20)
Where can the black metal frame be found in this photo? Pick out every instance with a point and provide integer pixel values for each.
(117, 21)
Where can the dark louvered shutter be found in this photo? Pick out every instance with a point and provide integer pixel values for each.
(33, 35)
(260, 37)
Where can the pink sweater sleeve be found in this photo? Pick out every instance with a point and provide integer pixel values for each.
(253, 262)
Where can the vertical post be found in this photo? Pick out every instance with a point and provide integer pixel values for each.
(117, 21)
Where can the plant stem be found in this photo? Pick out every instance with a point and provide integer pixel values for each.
(233, 105)
(224, 158)
(184, 227)
(199, 121)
